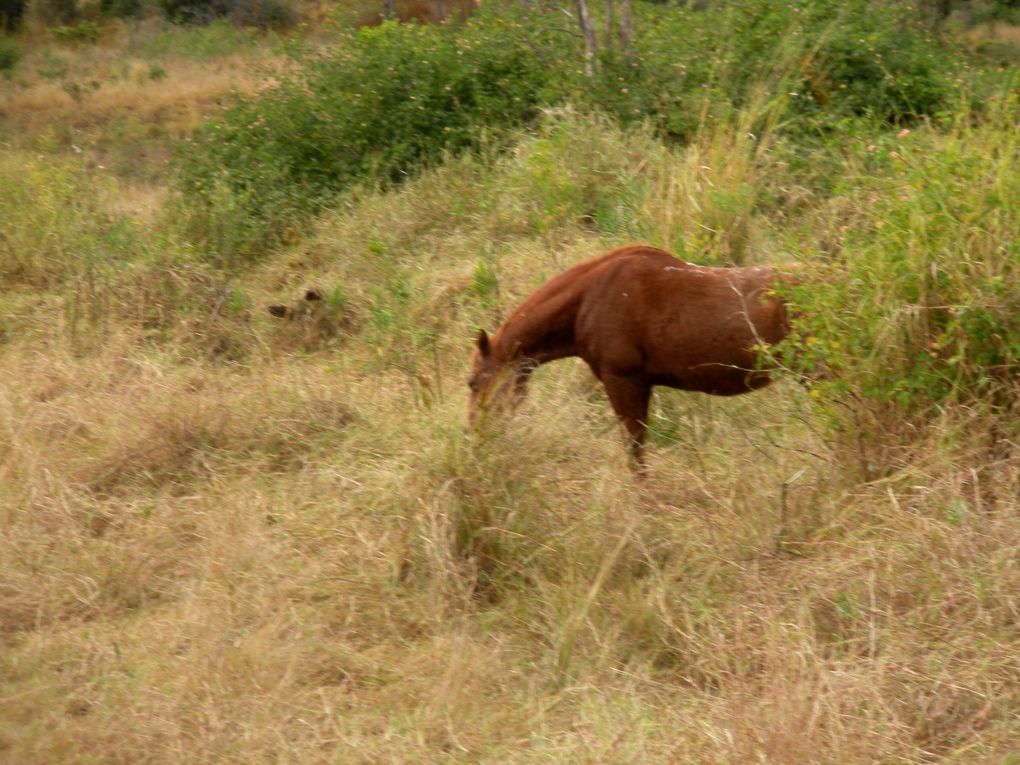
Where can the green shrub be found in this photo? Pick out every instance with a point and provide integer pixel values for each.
(829, 59)
(875, 59)
(122, 9)
(264, 14)
(389, 99)
(10, 54)
(984, 11)
(923, 309)
(385, 102)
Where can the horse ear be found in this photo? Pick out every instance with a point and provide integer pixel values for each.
(483, 343)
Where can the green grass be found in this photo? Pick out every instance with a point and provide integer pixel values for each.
(212, 41)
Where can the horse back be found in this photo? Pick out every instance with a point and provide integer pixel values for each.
(693, 327)
(544, 325)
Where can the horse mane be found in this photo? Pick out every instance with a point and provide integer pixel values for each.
(546, 312)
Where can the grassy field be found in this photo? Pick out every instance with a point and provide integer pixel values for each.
(230, 538)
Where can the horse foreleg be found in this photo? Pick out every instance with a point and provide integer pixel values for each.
(629, 397)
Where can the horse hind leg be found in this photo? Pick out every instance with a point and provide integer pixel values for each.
(629, 397)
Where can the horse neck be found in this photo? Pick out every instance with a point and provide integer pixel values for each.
(542, 329)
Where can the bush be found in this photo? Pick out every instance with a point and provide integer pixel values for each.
(386, 102)
(10, 54)
(984, 11)
(924, 309)
(389, 99)
(264, 14)
(830, 60)
(121, 9)
(879, 61)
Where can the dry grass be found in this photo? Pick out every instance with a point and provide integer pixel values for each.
(994, 30)
(292, 561)
(117, 100)
(185, 93)
(226, 541)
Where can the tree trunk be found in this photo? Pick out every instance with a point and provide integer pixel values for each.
(389, 8)
(591, 39)
(607, 34)
(626, 27)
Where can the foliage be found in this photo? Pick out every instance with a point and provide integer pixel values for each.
(830, 59)
(385, 102)
(923, 308)
(983, 11)
(872, 60)
(10, 53)
(124, 9)
(264, 14)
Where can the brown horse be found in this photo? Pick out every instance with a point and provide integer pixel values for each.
(638, 317)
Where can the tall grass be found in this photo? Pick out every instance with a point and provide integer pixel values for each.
(53, 224)
(294, 552)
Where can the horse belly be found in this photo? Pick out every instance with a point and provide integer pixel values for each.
(697, 338)
(724, 382)
(714, 379)
(719, 365)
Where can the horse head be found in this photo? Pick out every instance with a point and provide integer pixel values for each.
(499, 379)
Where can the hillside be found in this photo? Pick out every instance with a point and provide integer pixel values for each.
(232, 538)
